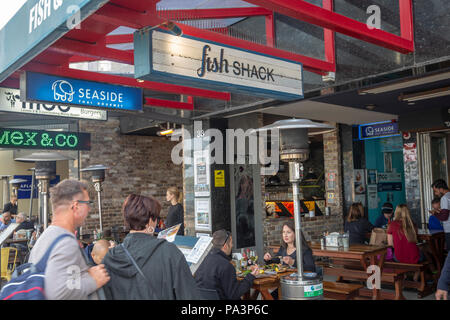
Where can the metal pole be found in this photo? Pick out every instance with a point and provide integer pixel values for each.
(295, 175)
(5, 190)
(45, 198)
(98, 188)
(33, 176)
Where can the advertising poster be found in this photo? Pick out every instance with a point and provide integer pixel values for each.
(203, 214)
(201, 173)
(372, 196)
(371, 176)
(359, 181)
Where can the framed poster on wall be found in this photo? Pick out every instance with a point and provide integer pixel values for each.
(359, 178)
(201, 173)
(203, 214)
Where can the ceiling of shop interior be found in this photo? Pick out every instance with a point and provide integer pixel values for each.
(389, 102)
(328, 112)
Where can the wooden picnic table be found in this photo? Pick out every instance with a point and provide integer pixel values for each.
(365, 254)
(265, 282)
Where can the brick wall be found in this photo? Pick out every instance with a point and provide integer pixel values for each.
(138, 164)
(312, 228)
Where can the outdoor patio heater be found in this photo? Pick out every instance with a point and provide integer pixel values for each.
(5, 180)
(44, 170)
(97, 177)
(294, 149)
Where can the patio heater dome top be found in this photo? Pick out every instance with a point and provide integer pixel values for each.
(95, 167)
(44, 156)
(295, 124)
(17, 181)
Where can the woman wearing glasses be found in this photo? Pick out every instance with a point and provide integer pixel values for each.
(144, 267)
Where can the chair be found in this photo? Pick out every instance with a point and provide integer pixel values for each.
(8, 262)
(209, 294)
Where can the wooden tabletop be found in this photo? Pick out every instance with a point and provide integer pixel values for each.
(353, 249)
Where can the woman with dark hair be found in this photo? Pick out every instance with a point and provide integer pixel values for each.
(288, 250)
(144, 267)
(356, 225)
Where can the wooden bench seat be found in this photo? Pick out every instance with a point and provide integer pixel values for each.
(391, 276)
(340, 291)
(421, 286)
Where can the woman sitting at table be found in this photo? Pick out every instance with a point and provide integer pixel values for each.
(288, 250)
(356, 225)
(402, 236)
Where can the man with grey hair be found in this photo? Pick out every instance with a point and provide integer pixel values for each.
(24, 223)
(217, 273)
(67, 275)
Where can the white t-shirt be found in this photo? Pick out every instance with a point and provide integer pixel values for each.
(445, 204)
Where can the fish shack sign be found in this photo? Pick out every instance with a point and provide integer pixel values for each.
(195, 62)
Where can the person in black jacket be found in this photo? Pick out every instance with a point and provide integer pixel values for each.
(356, 225)
(162, 272)
(176, 212)
(217, 273)
(11, 206)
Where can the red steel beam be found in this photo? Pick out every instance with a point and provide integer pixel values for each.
(88, 50)
(406, 20)
(168, 104)
(270, 31)
(328, 37)
(222, 13)
(313, 14)
(125, 81)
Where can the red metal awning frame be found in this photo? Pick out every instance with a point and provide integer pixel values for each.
(90, 42)
(326, 18)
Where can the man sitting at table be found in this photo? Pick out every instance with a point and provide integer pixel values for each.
(434, 224)
(217, 273)
(6, 221)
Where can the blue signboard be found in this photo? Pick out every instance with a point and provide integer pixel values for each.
(36, 25)
(378, 130)
(25, 188)
(40, 87)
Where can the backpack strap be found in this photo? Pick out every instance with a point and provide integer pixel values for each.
(42, 264)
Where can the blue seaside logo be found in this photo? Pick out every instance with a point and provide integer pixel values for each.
(62, 91)
(48, 88)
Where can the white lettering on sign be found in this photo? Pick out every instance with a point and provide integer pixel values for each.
(41, 11)
(195, 59)
(371, 131)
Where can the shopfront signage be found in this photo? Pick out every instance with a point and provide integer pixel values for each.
(36, 25)
(389, 177)
(378, 130)
(10, 101)
(390, 186)
(24, 191)
(40, 87)
(196, 62)
(47, 140)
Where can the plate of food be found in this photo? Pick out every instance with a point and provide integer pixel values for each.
(275, 268)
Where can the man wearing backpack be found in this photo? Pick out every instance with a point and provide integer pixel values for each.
(67, 274)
